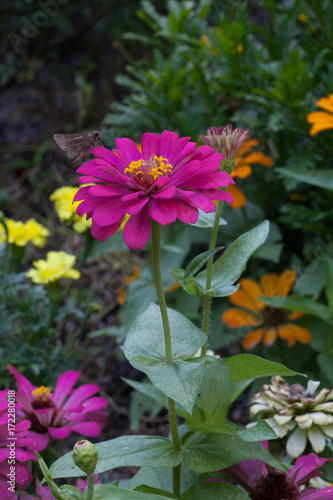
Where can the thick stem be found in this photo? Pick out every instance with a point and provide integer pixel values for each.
(156, 250)
(208, 298)
(91, 485)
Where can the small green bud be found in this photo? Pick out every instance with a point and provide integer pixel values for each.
(227, 166)
(85, 456)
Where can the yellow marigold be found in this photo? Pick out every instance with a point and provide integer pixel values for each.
(272, 321)
(57, 265)
(244, 159)
(20, 233)
(320, 119)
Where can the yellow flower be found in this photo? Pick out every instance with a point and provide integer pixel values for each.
(57, 265)
(66, 209)
(320, 119)
(272, 321)
(20, 233)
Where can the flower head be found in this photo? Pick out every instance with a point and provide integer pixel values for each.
(66, 209)
(20, 233)
(13, 449)
(287, 407)
(320, 119)
(263, 483)
(57, 265)
(169, 180)
(58, 414)
(272, 321)
(225, 140)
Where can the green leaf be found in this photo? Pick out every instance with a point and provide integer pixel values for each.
(301, 304)
(238, 387)
(261, 431)
(144, 348)
(228, 268)
(218, 451)
(329, 282)
(248, 366)
(319, 177)
(157, 491)
(125, 451)
(106, 492)
(162, 478)
(207, 220)
(200, 260)
(212, 403)
(213, 491)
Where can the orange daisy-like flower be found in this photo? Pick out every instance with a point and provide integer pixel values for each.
(244, 159)
(320, 119)
(272, 321)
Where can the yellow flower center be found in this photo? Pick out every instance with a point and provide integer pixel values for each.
(147, 172)
(42, 399)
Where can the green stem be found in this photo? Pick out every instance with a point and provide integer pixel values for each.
(208, 298)
(156, 251)
(91, 485)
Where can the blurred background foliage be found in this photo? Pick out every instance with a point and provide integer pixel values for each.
(132, 67)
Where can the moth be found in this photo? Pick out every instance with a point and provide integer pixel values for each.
(76, 146)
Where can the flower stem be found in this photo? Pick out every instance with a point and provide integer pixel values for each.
(91, 485)
(208, 298)
(156, 251)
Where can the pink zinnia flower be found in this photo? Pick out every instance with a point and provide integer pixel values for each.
(169, 180)
(263, 482)
(13, 456)
(62, 412)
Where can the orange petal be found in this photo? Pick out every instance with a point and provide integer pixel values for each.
(173, 287)
(237, 317)
(270, 337)
(275, 285)
(242, 171)
(253, 338)
(286, 281)
(259, 158)
(246, 147)
(121, 296)
(238, 196)
(295, 315)
(247, 295)
(291, 332)
(326, 103)
(268, 283)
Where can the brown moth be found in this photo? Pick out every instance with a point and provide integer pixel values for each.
(76, 146)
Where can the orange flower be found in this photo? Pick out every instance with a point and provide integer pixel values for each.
(272, 321)
(128, 279)
(320, 119)
(244, 159)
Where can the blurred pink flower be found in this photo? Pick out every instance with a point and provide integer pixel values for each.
(44, 493)
(263, 482)
(14, 471)
(171, 179)
(62, 412)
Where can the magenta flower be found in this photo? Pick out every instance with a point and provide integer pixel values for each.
(14, 437)
(59, 414)
(169, 180)
(263, 482)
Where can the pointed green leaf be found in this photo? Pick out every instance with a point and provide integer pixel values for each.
(301, 304)
(144, 348)
(125, 451)
(246, 366)
(218, 451)
(200, 260)
(214, 490)
(228, 268)
(154, 491)
(106, 492)
(319, 177)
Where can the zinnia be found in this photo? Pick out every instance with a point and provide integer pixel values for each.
(264, 483)
(273, 321)
(171, 179)
(20, 439)
(320, 119)
(58, 414)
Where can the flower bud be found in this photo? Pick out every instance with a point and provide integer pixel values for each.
(225, 140)
(85, 456)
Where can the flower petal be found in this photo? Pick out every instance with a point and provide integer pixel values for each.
(253, 338)
(296, 443)
(137, 229)
(235, 317)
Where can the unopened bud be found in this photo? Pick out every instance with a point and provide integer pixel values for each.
(225, 140)
(85, 456)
